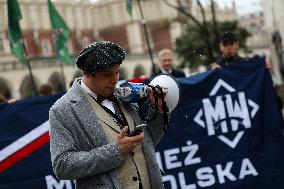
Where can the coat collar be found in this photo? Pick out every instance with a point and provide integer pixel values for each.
(86, 116)
(102, 114)
(76, 91)
(78, 96)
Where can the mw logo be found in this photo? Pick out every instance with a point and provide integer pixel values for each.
(227, 114)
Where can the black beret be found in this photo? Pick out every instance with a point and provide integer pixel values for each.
(100, 55)
(228, 36)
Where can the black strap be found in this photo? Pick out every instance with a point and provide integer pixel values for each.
(165, 116)
(116, 117)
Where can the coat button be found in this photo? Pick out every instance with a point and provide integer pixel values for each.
(132, 153)
(135, 178)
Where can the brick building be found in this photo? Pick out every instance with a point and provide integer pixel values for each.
(104, 20)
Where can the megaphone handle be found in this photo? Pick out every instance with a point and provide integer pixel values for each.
(164, 105)
(165, 115)
(155, 96)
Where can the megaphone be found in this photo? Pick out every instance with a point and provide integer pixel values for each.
(173, 89)
(134, 92)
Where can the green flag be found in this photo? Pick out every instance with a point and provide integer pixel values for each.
(14, 30)
(62, 33)
(129, 7)
(64, 56)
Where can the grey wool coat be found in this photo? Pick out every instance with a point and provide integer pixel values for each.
(79, 147)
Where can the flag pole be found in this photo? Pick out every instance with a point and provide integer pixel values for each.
(29, 67)
(17, 45)
(143, 21)
(62, 75)
(60, 63)
(61, 34)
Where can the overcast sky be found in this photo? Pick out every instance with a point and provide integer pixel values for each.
(243, 6)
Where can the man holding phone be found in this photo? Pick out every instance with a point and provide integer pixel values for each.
(137, 130)
(90, 138)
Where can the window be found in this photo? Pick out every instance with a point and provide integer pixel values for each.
(70, 47)
(85, 41)
(46, 47)
(1, 45)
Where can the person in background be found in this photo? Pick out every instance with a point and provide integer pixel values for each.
(3, 99)
(229, 46)
(166, 64)
(45, 90)
(89, 128)
(7, 101)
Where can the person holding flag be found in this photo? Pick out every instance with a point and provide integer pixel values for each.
(229, 46)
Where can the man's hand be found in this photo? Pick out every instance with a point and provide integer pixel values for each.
(268, 64)
(215, 66)
(127, 144)
(152, 100)
(12, 101)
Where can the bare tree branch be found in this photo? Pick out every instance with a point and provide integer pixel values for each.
(205, 29)
(202, 13)
(214, 19)
(183, 11)
(202, 25)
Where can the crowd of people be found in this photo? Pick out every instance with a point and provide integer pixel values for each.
(43, 90)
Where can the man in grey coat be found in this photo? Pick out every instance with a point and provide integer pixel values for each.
(89, 129)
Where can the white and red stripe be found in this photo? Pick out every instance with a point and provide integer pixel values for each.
(24, 146)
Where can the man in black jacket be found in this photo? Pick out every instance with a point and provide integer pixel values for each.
(229, 46)
(166, 64)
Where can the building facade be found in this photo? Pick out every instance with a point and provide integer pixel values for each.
(222, 14)
(88, 22)
(273, 19)
(258, 42)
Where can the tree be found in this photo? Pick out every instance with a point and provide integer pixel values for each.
(198, 45)
(193, 50)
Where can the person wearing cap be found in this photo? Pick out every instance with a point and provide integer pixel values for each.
(89, 128)
(229, 46)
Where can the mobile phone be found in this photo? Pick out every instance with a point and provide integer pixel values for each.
(137, 130)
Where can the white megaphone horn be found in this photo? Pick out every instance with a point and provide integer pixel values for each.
(173, 89)
(133, 92)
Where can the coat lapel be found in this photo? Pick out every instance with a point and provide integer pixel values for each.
(86, 107)
(127, 115)
(102, 115)
(87, 117)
